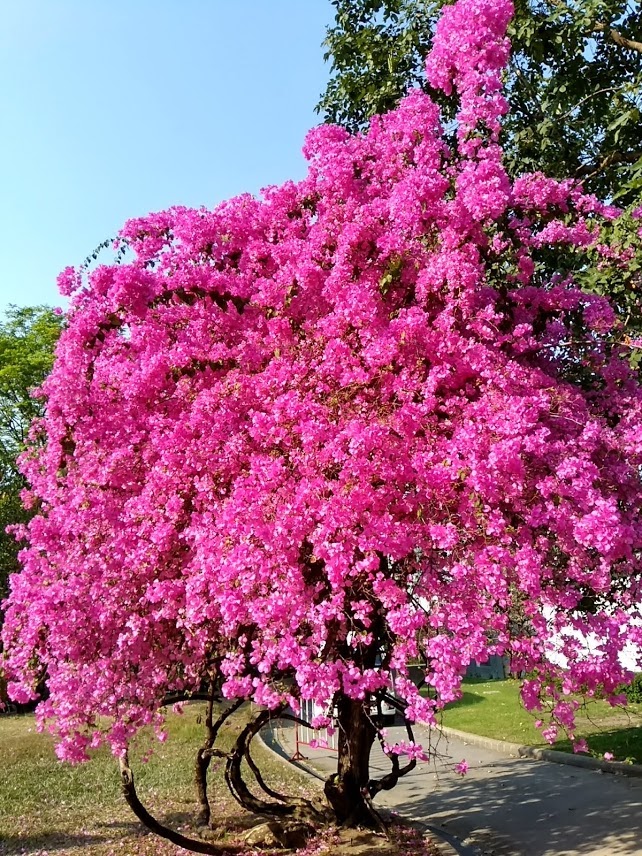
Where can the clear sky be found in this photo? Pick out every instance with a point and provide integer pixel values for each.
(110, 109)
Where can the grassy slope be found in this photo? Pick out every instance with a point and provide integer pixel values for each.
(493, 709)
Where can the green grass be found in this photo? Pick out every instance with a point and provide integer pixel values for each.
(46, 806)
(493, 709)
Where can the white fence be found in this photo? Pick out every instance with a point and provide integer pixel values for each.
(315, 738)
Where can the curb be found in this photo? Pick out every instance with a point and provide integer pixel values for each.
(553, 756)
(502, 746)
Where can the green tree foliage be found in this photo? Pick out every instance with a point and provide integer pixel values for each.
(574, 81)
(27, 340)
(377, 50)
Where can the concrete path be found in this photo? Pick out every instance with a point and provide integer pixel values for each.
(505, 805)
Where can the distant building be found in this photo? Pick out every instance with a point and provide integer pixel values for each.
(494, 669)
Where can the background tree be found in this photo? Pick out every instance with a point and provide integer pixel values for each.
(574, 81)
(28, 337)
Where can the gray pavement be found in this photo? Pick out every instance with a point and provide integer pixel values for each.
(506, 805)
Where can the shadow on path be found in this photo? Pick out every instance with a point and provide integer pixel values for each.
(508, 806)
(532, 808)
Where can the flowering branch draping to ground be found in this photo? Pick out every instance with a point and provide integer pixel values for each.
(299, 442)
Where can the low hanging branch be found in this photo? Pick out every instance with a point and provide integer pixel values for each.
(387, 782)
(155, 826)
(179, 698)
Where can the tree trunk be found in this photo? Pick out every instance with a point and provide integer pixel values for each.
(347, 790)
(205, 752)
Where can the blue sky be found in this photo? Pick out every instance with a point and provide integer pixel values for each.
(110, 109)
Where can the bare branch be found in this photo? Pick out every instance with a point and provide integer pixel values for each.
(590, 170)
(194, 844)
(609, 31)
(617, 37)
(240, 790)
(588, 98)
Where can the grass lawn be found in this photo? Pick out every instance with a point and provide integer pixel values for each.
(493, 709)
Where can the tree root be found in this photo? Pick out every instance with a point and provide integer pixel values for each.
(355, 819)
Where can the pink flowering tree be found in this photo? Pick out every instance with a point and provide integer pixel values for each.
(297, 443)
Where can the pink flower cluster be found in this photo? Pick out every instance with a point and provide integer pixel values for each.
(408, 749)
(345, 419)
(461, 768)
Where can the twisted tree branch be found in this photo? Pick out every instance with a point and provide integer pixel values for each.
(239, 788)
(194, 844)
(205, 753)
(387, 782)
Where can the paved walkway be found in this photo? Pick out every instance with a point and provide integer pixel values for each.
(508, 806)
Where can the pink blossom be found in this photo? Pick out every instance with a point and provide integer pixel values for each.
(303, 440)
(411, 750)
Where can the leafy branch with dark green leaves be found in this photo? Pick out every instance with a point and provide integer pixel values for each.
(28, 336)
